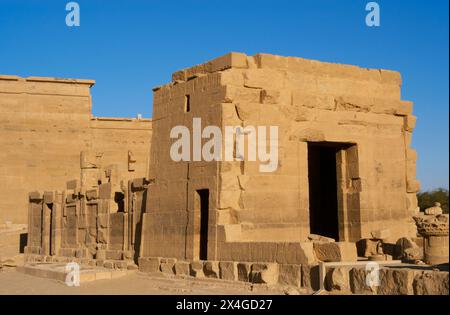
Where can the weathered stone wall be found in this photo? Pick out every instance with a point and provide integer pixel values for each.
(310, 102)
(44, 125)
(94, 223)
(123, 141)
(168, 224)
(315, 102)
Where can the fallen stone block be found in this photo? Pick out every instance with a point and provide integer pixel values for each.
(335, 252)
(290, 275)
(228, 270)
(320, 238)
(264, 273)
(296, 253)
(415, 253)
(406, 248)
(306, 253)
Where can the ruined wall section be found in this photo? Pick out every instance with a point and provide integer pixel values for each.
(44, 125)
(256, 216)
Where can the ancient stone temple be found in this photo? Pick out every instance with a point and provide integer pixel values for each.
(345, 167)
(262, 169)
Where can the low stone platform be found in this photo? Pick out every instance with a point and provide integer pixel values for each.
(57, 271)
(388, 277)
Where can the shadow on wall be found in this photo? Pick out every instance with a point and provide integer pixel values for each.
(138, 234)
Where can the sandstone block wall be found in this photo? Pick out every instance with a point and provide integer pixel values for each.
(169, 219)
(94, 224)
(123, 141)
(314, 102)
(311, 102)
(44, 125)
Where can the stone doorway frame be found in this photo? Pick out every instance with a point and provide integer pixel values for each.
(348, 189)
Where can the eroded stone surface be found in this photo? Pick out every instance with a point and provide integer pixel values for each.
(337, 251)
(338, 279)
(431, 283)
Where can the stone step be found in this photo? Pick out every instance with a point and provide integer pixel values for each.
(59, 272)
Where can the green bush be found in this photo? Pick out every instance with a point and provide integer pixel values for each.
(428, 198)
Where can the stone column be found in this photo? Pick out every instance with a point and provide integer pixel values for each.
(434, 229)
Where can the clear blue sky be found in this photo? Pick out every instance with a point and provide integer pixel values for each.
(130, 46)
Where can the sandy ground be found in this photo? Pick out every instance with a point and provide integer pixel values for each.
(13, 282)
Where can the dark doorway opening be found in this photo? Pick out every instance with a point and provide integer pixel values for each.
(48, 224)
(23, 240)
(202, 213)
(187, 103)
(323, 199)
